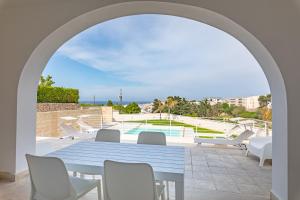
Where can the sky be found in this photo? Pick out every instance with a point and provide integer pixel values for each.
(155, 56)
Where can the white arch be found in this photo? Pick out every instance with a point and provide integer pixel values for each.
(26, 106)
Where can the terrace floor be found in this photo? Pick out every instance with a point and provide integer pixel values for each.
(212, 173)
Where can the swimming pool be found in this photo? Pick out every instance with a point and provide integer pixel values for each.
(169, 132)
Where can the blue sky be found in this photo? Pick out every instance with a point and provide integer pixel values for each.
(155, 56)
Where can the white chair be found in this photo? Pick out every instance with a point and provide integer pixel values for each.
(130, 181)
(50, 180)
(103, 135)
(260, 147)
(238, 141)
(154, 138)
(108, 135)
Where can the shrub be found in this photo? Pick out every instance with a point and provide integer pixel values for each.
(51, 94)
(109, 103)
(132, 108)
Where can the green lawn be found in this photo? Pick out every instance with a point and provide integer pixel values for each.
(205, 137)
(165, 122)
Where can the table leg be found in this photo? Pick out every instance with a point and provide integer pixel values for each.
(179, 190)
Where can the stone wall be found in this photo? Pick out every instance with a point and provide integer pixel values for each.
(47, 107)
(48, 123)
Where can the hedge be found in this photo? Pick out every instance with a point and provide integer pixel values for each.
(57, 95)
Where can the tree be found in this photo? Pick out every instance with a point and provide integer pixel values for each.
(46, 82)
(160, 107)
(109, 103)
(120, 108)
(237, 110)
(205, 108)
(170, 104)
(264, 100)
(132, 108)
(155, 105)
(226, 108)
(265, 113)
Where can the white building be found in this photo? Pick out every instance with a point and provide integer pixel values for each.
(215, 100)
(251, 103)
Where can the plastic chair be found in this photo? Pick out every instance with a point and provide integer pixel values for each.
(130, 181)
(260, 147)
(108, 135)
(103, 135)
(154, 138)
(50, 180)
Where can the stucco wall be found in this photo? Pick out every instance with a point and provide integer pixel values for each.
(48, 123)
(46, 107)
(275, 23)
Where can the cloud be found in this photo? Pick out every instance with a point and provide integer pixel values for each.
(165, 55)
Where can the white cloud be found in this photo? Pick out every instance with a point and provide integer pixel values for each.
(167, 55)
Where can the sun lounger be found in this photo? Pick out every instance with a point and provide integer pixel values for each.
(238, 141)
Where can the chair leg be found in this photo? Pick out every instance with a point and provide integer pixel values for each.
(247, 152)
(261, 162)
(167, 188)
(99, 191)
(163, 195)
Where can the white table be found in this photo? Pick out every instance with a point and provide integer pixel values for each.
(88, 157)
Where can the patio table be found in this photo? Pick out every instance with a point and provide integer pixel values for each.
(88, 157)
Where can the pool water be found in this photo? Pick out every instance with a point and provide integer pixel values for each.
(167, 131)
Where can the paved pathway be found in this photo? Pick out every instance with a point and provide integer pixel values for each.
(212, 173)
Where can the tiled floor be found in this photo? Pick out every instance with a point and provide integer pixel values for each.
(212, 173)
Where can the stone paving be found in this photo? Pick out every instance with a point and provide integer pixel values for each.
(212, 173)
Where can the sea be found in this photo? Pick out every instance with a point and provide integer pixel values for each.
(114, 102)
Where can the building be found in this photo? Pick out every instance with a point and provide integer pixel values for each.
(250, 103)
(234, 101)
(215, 100)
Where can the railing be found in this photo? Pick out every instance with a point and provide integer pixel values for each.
(259, 126)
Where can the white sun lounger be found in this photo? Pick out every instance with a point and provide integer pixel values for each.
(68, 131)
(85, 128)
(238, 141)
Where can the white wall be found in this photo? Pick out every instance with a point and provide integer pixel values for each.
(45, 25)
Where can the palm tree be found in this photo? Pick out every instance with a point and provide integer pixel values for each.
(170, 104)
(161, 106)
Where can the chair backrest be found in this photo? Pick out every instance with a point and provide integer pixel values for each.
(49, 178)
(155, 138)
(108, 135)
(244, 135)
(128, 181)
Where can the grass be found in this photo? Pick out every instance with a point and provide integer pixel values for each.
(206, 137)
(164, 122)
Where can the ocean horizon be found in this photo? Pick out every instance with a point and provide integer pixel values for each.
(114, 102)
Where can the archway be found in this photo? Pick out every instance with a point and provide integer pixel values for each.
(34, 67)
